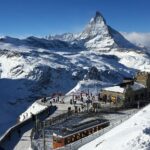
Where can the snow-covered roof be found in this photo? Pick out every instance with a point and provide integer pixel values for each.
(136, 86)
(114, 89)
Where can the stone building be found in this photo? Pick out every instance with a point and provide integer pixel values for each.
(130, 92)
(144, 78)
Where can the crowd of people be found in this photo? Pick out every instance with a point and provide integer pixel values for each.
(81, 101)
(86, 98)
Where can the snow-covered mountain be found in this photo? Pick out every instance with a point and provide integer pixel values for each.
(34, 67)
(97, 35)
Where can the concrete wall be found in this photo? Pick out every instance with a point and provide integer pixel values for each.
(24, 126)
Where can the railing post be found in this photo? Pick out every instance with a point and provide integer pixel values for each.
(44, 146)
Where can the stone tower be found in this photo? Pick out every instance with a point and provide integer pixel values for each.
(143, 78)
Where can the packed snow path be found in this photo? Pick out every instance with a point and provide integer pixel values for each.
(25, 142)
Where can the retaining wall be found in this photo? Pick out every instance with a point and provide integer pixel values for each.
(30, 122)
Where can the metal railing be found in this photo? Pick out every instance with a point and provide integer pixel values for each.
(38, 144)
(77, 144)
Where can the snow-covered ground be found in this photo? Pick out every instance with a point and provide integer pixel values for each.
(33, 109)
(24, 142)
(32, 68)
(133, 134)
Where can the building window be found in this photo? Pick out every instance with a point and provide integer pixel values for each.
(118, 99)
(113, 99)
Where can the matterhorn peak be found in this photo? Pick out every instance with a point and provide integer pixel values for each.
(99, 17)
(98, 14)
(96, 26)
(99, 36)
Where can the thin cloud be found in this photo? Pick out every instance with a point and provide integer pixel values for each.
(138, 38)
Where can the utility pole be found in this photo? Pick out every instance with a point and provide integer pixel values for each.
(44, 146)
(138, 104)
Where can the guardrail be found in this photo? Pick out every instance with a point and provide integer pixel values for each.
(57, 119)
(40, 115)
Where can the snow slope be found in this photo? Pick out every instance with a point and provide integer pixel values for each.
(133, 134)
(35, 67)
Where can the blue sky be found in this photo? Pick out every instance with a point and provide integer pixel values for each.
(42, 17)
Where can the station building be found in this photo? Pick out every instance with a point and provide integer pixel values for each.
(130, 92)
